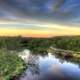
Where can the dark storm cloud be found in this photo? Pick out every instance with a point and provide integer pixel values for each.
(67, 11)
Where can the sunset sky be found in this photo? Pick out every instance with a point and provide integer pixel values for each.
(39, 18)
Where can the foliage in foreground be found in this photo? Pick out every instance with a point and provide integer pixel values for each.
(10, 65)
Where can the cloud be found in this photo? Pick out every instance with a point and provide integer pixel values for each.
(60, 11)
(58, 4)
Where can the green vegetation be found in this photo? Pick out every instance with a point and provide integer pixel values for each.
(10, 65)
(41, 44)
(62, 42)
(10, 43)
(67, 43)
(19, 43)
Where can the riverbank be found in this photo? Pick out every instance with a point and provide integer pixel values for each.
(64, 53)
(10, 65)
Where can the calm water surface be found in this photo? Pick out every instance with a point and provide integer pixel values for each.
(48, 67)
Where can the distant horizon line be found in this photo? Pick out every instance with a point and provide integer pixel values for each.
(41, 37)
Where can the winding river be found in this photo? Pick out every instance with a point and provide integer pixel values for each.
(48, 67)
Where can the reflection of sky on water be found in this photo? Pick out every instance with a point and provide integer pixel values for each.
(50, 68)
(46, 62)
(71, 70)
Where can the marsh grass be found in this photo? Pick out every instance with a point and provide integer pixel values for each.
(10, 65)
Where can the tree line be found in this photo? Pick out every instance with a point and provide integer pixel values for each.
(40, 44)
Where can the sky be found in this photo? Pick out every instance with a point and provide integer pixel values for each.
(39, 18)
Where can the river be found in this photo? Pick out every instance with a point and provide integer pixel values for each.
(48, 67)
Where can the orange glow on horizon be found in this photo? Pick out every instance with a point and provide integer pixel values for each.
(50, 30)
(36, 33)
(25, 33)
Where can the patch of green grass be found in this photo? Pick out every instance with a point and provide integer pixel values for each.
(10, 65)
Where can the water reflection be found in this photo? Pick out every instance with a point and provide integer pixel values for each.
(49, 67)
